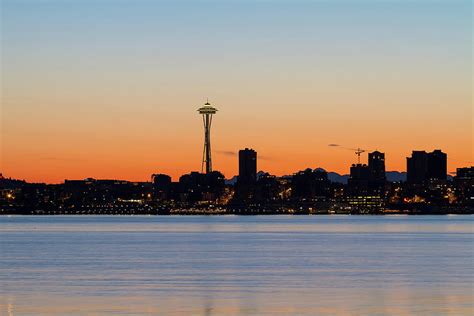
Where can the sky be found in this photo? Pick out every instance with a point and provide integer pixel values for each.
(110, 88)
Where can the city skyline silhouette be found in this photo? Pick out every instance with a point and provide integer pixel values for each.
(236, 157)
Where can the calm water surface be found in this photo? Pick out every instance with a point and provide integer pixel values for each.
(224, 265)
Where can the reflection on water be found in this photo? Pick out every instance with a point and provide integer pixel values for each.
(398, 265)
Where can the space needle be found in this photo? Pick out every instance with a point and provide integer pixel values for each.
(207, 111)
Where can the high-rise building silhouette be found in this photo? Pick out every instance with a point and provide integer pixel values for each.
(365, 185)
(207, 111)
(417, 167)
(376, 170)
(247, 166)
(247, 179)
(437, 165)
(423, 166)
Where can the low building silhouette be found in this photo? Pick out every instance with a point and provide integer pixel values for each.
(310, 184)
(464, 186)
(161, 186)
(358, 182)
(201, 187)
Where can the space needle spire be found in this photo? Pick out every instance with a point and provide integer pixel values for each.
(207, 111)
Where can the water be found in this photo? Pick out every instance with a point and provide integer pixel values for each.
(224, 265)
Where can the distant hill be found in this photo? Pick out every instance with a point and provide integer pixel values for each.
(396, 176)
(336, 177)
(332, 176)
(233, 180)
(392, 176)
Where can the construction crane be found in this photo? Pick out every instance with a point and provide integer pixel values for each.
(358, 152)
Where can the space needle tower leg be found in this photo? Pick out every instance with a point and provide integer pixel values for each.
(207, 111)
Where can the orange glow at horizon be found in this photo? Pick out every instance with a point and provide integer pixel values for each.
(84, 94)
(132, 145)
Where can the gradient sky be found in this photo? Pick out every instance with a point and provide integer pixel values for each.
(110, 88)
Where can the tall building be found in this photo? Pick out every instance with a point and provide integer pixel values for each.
(437, 165)
(377, 170)
(207, 111)
(377, 166)
(247, 166)
(365, 185)
(423, 166)
(417, 167)
(247, 179)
